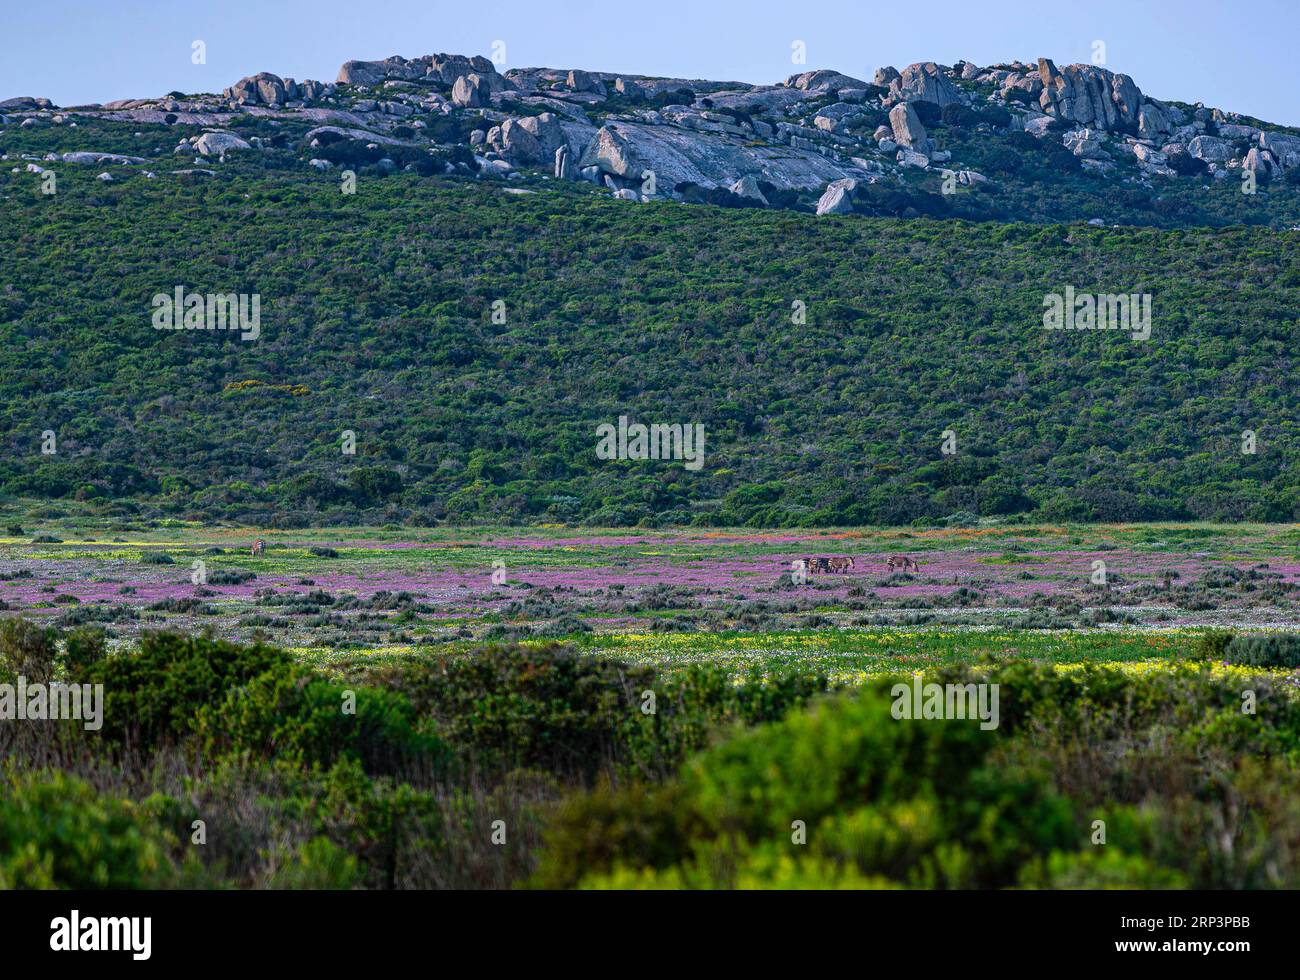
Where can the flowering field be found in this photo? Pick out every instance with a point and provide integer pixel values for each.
(1059, 594)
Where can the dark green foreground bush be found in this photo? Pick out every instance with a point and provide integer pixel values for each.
(229, 765)
(392, 778)
(1190, 790)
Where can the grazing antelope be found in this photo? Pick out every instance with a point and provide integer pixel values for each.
(896, 562)
(259, 546)
(839, 565)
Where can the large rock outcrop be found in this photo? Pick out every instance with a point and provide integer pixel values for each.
(1283, 148)
(445, 68)
(530, 141)
(1089, 96)
(924, 82)
(676, 156)
(907, 128)
(823, 79)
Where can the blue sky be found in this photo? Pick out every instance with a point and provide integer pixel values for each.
(1232, 55)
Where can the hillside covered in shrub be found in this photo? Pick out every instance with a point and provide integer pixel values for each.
(377, 317)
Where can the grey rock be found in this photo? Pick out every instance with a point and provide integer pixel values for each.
(1104, 167)
(1284, 148)
(216, 144)
(1260, 161)
(263, 88)
(369, 73)
(581, 81)
(86, 156)
(348, 132)
(1153, 121)
(906, 125)
(885, 76)
(924, 82)
(1211, 149)
(471, 91)
(1029, 82)
(1147, 154)
(25, 103)
(546, 130)
(822, 79)
(911, 158)
(747, 187)
(1233, 131)
(629, 89)
(1038, 125)
(446, 68)
(613, 152)
(1088, 95)
(1086, 144)
(679, 155)
(837, 198)
(518, 145)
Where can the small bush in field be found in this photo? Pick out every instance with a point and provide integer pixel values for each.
(1264, 650)
(83, 648)
(27, 650)
(1212, 644)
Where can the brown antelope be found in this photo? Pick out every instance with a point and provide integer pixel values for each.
(896, 562)
(259, 546)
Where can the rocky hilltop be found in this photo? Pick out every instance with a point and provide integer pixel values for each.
(813, 140)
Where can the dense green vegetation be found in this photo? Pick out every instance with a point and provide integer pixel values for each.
(1093, 779)
(377, 317)
(390, 777)
(228, 765)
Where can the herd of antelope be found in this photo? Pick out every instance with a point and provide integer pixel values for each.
(837, 565)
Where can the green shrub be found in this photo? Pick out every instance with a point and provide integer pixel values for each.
(153, 693)
(912, 803)
(57, 832)
(317, 864)
(1193, 791)
(1264, 650)
(82, 649)
(27, 649)
(1212, 644)
(551, 708)
(296, 715)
